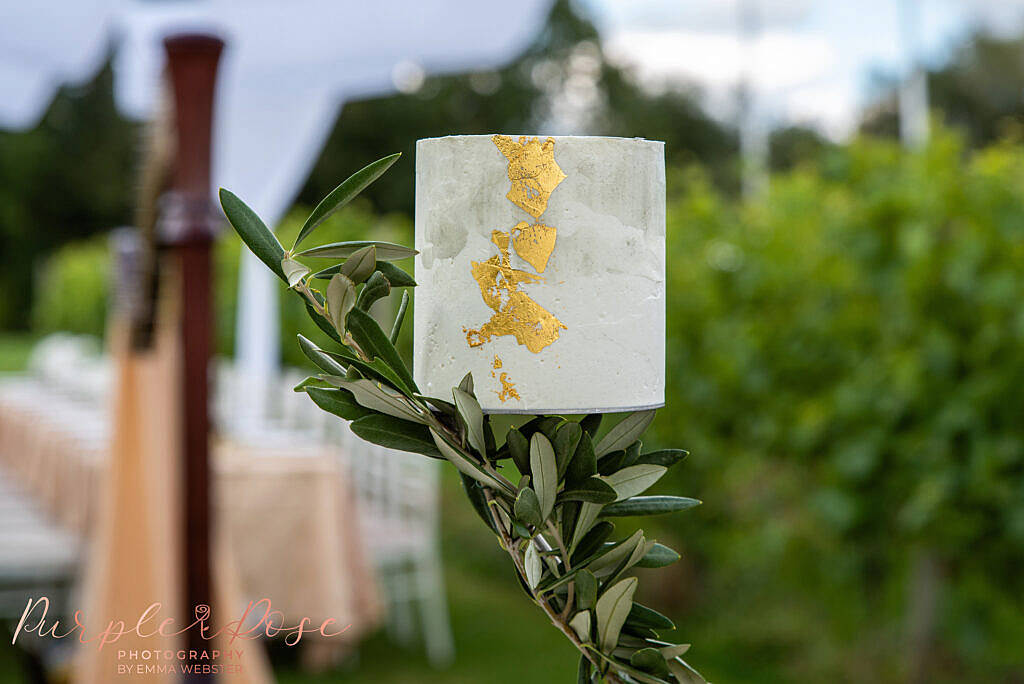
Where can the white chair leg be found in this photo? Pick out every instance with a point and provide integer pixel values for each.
(402, 620)
(437, 629)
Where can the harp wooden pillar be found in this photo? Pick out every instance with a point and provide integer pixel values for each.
(187, 228)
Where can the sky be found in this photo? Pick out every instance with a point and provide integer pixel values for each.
(809, 62)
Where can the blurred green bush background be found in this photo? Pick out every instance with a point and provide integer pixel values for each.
(846, 364)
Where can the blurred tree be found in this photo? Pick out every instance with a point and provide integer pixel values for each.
(792, 145)
(69, 177)
(980, 91)
(563, 82)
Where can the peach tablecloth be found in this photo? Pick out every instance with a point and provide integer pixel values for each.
(291, 519)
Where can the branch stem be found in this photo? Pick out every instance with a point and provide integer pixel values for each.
(556, 619)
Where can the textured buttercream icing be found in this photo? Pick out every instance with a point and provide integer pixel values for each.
(541, 270)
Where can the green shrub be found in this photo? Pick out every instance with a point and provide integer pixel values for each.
(73, 285)
(846, 363)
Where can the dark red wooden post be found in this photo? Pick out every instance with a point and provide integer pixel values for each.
(187, 228)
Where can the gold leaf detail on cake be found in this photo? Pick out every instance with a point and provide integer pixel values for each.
(533, 171)
(514, 312)
(508, 389)
(534, 243)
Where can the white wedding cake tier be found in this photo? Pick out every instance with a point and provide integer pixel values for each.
(541, 270)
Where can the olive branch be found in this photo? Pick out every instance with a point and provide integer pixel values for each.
(554, 521)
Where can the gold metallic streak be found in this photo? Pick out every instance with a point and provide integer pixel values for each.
(534, 243)
(514, 312)
(533, 171)
(508, 389)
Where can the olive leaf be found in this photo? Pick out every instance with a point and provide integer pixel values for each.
(612, 609)
(649, 505)
(634, 479)
(341, 297)
(293, 270)
(625, 432)
(545, 472)
(592, 541)
(580, 624)
(399, 318)
(674, 651)
(465, 464)
(594, 490)
(254, 233)
(683, 673)
(343, 194)
(612, 462)
(532, 563)
(311, 381)
(446, 407)
(377, 287)
(371, 395)
(567, 436)
(631, 672)
(586, 589)
(466, 384)
(334, 363)
(639, 551)
(519, 450)
(584, 672)
(631, 454)
(396, 433)
(611, 558)
(320, 358)
(360, 265)
(590, 423)
(642, 616)
(396, 276)
(339, 402)
(588, 514)
(543, 424)
(658, 557)
(386, 251)
(664, 457)
(650, 660)
(584, 461)
(473, 416)
(475, 494)
(372, 340)
(527, 506)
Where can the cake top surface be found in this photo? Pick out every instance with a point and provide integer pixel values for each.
(516, 136)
